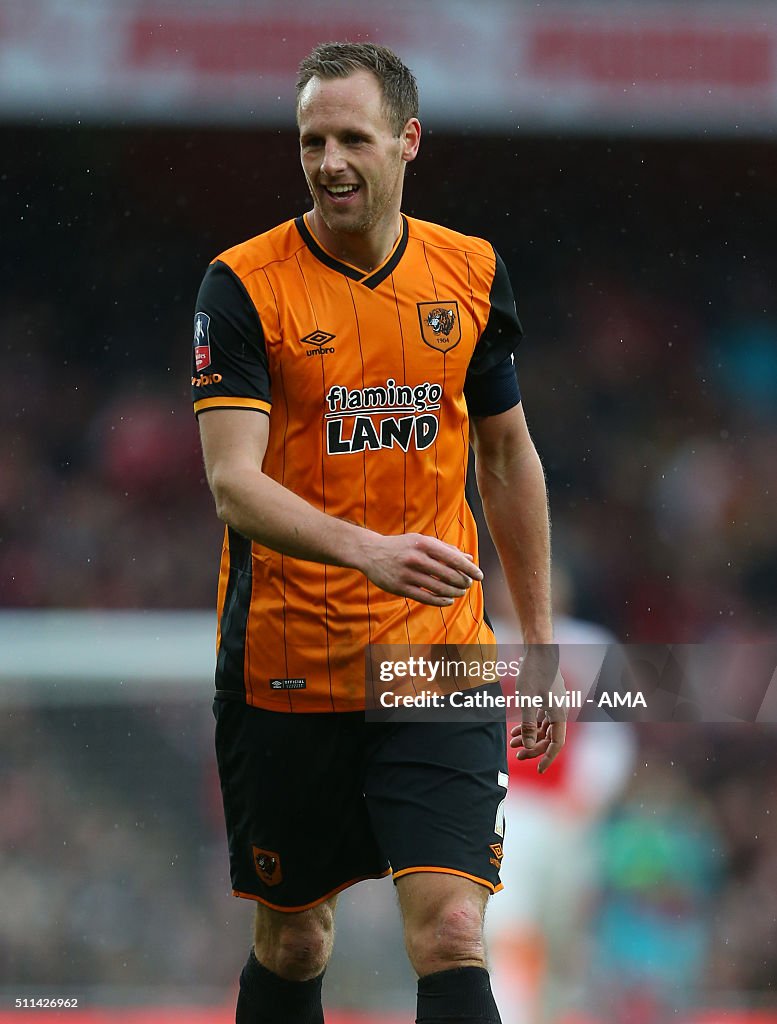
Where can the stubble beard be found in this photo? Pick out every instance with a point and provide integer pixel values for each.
(348, 223)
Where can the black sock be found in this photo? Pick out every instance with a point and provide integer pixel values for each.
(266, 998)
(462, 994)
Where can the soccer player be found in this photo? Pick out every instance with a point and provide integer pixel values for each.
(341, 361)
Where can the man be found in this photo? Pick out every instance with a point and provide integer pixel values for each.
(338, 358)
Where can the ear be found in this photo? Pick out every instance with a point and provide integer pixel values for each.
(411, 139)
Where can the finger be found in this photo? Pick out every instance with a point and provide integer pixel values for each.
(550, 732)
(517, 741)
(542, 728)
(425, 597)
(543, 722)
(463, 573)
(559, 731)
(439, 571)
(436, 586)
(450, 556)
(536, 751)
(469, 568)
(554, 748)
(528, 731)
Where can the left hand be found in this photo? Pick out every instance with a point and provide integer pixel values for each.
(542, 732)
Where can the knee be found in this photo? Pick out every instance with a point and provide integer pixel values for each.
(300, 954)
(449, 936)
(296, 947)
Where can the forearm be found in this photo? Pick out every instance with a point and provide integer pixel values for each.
(267, 512)
(515, 504)
(411, 565)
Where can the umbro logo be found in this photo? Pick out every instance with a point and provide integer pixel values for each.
(319, 339)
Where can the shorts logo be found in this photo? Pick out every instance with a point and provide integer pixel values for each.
(201, 341)
(440, 327)
(300, 683)
(268, 865)
(319, 339)
(496, 860)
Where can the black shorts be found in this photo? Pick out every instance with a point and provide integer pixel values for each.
(316, 802)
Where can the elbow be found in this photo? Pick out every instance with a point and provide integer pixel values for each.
(223, 508)
(238, 494)
(225, 500)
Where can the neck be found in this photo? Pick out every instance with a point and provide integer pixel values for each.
(365, 250)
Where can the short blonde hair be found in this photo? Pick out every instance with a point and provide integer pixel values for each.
(339, 60)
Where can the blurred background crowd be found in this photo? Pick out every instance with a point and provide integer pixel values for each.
(644, 277)
(643, 267)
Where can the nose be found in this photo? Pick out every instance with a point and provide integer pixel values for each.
(333, 160)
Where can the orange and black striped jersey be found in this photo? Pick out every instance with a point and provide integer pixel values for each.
(368, 381)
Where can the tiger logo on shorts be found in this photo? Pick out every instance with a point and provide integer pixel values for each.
(268, 865)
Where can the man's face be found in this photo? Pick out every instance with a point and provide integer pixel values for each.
(353, 162)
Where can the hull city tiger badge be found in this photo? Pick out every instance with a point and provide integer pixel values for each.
(268, 865)
(201, 341)
(440, 327)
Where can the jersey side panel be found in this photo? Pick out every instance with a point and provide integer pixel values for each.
(250, 262)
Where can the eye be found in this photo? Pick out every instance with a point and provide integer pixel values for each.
(311, 142)
(354, 140)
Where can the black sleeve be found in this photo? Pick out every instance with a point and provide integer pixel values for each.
(491, 385)
(503, 331)
(229, 359)
(494, 391)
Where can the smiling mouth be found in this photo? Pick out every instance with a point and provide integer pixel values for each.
(341, 191)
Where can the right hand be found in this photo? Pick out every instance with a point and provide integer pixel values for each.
(419, 567)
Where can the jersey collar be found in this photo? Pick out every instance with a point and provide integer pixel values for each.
(371, 280)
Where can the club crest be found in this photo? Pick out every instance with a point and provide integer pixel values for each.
(268, 865)
(440, 327)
